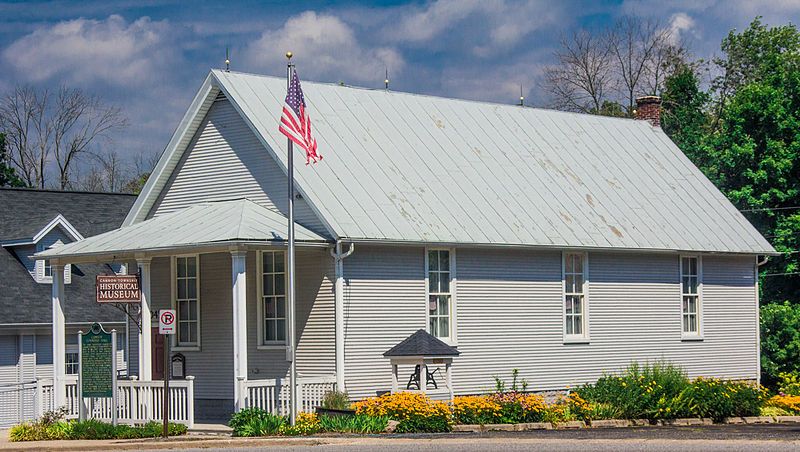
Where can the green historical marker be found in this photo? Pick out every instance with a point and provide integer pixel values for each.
(98, 366)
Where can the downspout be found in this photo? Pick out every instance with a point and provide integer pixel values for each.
(758, 319)
(338, 258)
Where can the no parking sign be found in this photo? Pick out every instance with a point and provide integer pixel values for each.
(166, 321)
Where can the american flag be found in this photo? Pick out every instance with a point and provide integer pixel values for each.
(295, 122)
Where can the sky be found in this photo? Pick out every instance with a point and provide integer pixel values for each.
(150, 57)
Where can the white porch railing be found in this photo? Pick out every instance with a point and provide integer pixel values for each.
(137, 401)
(273, 394)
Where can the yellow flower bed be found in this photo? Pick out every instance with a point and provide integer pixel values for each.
(788, 403)
(401, 406)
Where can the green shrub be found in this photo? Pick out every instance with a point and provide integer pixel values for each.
(718, 399)
(780, 341)
(336, 400)
(88, 429)
(599, 411)
(423, 424)
(773, 411)
(360, 423)
(650, 391)
(256, 422)
(789, 383)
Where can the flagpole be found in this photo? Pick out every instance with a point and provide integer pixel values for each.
(290, 327)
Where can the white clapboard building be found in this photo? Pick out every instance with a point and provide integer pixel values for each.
(560, 244)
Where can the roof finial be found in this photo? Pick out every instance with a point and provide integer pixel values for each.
(386, 80)
(227, 60)
(521, 97)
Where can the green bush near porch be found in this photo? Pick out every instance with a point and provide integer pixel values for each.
(46, 429)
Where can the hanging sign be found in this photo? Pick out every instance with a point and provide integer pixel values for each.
(97, 363)
(166, 321)
(118, 289)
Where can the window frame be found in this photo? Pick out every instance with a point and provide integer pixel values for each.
(584, 337)
(452, 338)
(175, 341)
(72, 349)
(40, 265)
(699, 335)
(262, 344)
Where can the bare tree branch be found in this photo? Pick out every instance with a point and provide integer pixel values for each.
(46, 131)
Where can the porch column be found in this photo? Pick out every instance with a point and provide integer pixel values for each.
(338, 316)
(145, 334)
(59, 338)
(239, 274)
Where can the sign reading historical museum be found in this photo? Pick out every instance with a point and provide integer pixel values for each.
(97, 362)
(118, 289)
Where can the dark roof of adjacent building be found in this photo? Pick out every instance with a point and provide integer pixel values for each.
(23, 213)
(422, 343)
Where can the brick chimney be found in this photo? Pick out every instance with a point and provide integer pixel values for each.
(648, 108)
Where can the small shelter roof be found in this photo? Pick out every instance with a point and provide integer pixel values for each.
(223, 222)
(421, 343)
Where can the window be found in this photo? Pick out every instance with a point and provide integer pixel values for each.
(71, 359)
(187, 300)
(48, 270)
(273, 297)
(690, 294)
(440, 296)
(575, 270)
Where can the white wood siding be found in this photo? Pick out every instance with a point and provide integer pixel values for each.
(509, 311)
(212, 366)
(384, 302)
(226, 161)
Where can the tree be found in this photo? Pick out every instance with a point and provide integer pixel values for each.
(58, 130)
(780, 344)
(601, 72)
(582, 79)
(8, 175)
(637, 47)
(754, 150)
(683, 115)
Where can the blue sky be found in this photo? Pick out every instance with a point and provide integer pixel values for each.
(149, 57)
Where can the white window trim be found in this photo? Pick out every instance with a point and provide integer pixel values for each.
(272, 345)
(71, 348)
(583, 338)
(453, 338)
(174, 303)
(699, 336)
(38, 269)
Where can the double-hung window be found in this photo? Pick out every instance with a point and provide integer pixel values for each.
(440, 296)
(575, 272)
(273, 298)
(690, 294)
(187, 300)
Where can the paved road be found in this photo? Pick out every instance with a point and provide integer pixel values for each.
(773, 438)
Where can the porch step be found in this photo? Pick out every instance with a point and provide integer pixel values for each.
(211, 429)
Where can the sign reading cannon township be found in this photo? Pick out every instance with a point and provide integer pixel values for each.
(97, 368)
(118, 289)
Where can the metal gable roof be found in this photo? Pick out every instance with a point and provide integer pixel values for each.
(202, 224)
(412, 168)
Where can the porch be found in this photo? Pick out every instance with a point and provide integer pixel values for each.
(222, 266)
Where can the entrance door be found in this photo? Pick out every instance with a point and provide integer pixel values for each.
(158, 354)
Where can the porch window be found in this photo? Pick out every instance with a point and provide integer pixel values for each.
(187, 298)
(273, 297)
(575, 275)
(71, 359)
(439, 294)
(690, 294)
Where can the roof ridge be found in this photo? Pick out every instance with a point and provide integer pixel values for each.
(74, 192)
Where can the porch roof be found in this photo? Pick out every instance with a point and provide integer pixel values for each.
(207, 224)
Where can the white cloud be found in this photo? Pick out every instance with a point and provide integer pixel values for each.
(325, 48)
(86, 50)
(491, 24)
(681, 25)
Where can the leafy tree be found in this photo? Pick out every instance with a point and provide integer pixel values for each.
(8, 175)
(684, 116)
(780, 340)
(754, 151)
